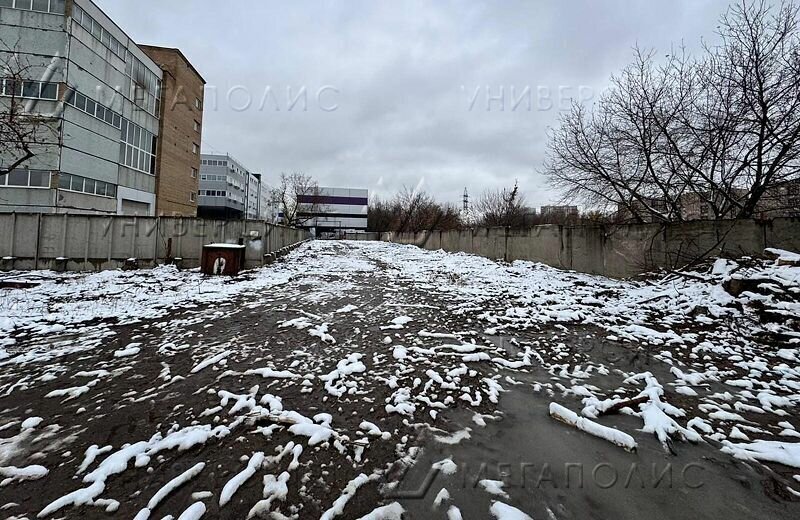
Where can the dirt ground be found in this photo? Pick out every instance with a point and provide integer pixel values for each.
(121, 400)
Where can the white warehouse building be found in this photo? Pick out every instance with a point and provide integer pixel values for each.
(332, 210)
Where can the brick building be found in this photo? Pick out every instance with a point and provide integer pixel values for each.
(180, 133)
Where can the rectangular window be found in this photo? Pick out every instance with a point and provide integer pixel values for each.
(197, 103)
(195, 148)
(196, 126)
(49, 91)
(86, 22)
(39, 179)
(41, 5)
(18, 178)
(80, 101)
(76, 183)
(192, 197)
(30, 89)
(194, 173)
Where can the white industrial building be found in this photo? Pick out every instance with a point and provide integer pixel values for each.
(229, 190)
(99, 95)
(334, 210)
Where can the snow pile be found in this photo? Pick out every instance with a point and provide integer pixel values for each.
(612, 435)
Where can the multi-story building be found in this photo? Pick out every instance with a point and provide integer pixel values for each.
(334, 210)
(180, 133)
(781, 200)
(258, 199)
(97, 97)
(559, 214)
(229, 190)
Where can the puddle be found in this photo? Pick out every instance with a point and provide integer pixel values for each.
(554, 471)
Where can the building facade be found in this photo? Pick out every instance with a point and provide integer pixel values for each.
(334, 210)
(180, 133)
(257, 199)
(559, 214)
(97, 99)
(228, 190)
(782, 200)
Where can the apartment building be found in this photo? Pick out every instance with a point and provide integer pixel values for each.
(229, 190)
(98, 97)
(781, 200)
(559, 214)
(180, 133)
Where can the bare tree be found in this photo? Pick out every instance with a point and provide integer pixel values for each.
(412, 210)
(298, 199)
(24, 131)
(717, 132)
(502, 208)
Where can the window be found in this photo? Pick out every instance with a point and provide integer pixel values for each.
(67, 181)
(194, 173)
(192, 197)
(92, 27)
(195, 148)
(29, 89)
(76, 183)
(198, 104)
(26, 179)
(196, 126)
(49, 91)
(137, 148)
(213, 193)
(93, 108)
(18, 178)
(145, 85)
(39, 179)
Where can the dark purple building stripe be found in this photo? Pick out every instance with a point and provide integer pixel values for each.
(344, 201)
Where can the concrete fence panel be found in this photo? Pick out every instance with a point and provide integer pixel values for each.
(783, 234)
(543, 244)
(587, 247)
(94, 242)
(617, 251)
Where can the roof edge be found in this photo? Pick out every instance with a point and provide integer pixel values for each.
(179, 52)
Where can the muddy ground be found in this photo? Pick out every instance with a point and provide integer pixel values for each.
(551, 470)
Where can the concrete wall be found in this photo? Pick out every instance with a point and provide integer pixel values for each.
(352, 235)
(95, 242)
(616, 251)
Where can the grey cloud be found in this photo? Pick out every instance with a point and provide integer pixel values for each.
(399, 67)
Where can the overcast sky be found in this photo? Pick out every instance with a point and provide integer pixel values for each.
(397, 91)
